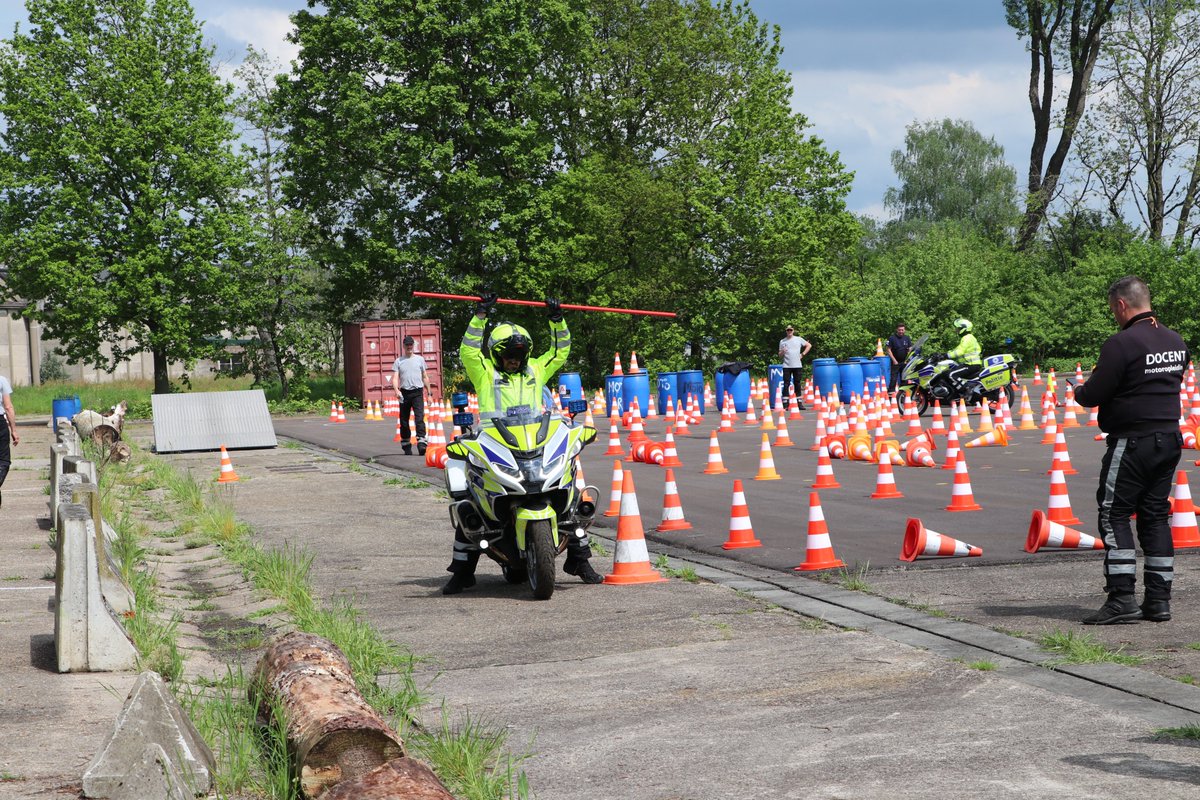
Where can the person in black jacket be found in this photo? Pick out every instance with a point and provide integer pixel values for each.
(1136, 385)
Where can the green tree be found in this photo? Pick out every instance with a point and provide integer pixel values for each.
(950, 171)
(120, 186)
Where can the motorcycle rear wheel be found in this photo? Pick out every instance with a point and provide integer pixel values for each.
(539, 558)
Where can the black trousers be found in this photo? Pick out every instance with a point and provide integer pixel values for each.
(466, 554)
(894, 378)
(1135, 477)
(414, 400)
(794, 376)
(5, 449)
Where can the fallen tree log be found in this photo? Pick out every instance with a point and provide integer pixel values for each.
(332, 733)
(402, 779)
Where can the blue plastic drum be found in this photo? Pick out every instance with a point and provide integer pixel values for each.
(850, 379)
(736, 385)
(62, 407)
(885, 370)
(691, 381)
(572, 383)
(774, 379)
(668, 390)
(614, 402)
(870, 370)
(825, 375)
(637, 385)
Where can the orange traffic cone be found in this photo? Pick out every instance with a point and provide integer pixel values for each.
(1069, 420)
(962, 498)
(1059, 507)
(781, 434)
(1183, 518)
(818, 553)
(1037, 375)
(341, 413)
(1044, 532)
(1094, 417)
(996, 437)
(885, 481)
(751, 417)
(741, 532)
(333, 411)
(836, 444)
(1061, 459)
(670, 454)
(952, 450)
(614, 437)
(918, 454)
(397, 437)
(920, 541)
(766, 463)
(859, 448)
(227, 474)
(985, 419)
(910, 416)
(714, 466)
(1027, 423)
(939, 425)
(633, 365)
(631, 560)
(1050, 431)
(681, 420)
(614, 500)
(617, 364)
(637, 432)
(672, 516)
(768, 420)
(825, 478)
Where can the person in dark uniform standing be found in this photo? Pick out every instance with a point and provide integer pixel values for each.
(898, 348)
(1136, 385)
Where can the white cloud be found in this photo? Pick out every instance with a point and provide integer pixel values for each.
(265, 28)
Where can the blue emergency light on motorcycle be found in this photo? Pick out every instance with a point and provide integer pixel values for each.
(577, 407)
(463, 419)
(459, 400)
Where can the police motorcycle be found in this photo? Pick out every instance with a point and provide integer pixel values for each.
(514, 492)
(935, 377)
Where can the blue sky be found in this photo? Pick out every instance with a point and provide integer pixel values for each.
(862, 69)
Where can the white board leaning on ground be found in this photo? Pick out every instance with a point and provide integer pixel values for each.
(208, 420)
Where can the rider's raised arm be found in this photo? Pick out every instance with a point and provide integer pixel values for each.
(470, 352)
(555, 357)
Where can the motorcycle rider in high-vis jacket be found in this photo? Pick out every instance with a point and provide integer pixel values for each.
(508, 381)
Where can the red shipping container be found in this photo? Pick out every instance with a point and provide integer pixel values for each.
(373, 345)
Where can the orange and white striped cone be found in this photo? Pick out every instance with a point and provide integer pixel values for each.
(859, 448)
(614, 499)
(341, 418)
(997, 437)
(821, 431)
(614, 437)
(398, 437)
(681, 420)
(910, 415)
(1184, 532)
(741, 532)
(714, 466)
(920, 541)
(1078, 372)
(652, 408)
(1094, 417)
(766, 463)
(227, 474)
(1069, 420)
(836, 444)
(885, 481)
(751, 417)
(825, 478)
(939, 425)
(637, 432)
(917, 453)
(669, 419)
(695, 416)
(333, 411)
(1027, 423)
(768, 420)
(726, 418)
(617, 364)
(964, 419)
(633, 365)
(781, 434)
(985, 419)
(1059, 507)
(670, 454)
(1050, 431)
(962, 498)
(952, 450)
(631, 559)
(368, 412)
(672, 516)
(818, 554)
(793, 404)
(1037, 376)
(1045, 533)
(1061, 459)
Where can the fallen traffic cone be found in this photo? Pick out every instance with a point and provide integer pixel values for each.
(670, 454)
(631, 560)
(818, 554)
(1059, 507)
(614, 437)
(781, 434)
(741, 532)
(920, 541)
(825, 478)
(614, 500)
(1061, 459)
(227, 474)
(918, 454)
(836, 444)
(1046, 533)
(714, 466)
(859, 448)
(962, 498)
(885, 481)
(672, 516)
(766, 463)
(1184, 532)
(996, 437)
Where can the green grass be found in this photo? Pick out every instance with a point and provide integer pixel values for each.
(1185, 732)
(9, 777)
(407, 483)
(473, 759)
(1083, 648)
(855, 581)
(1185, 678)
(983, 666)
(14, 577)
(1193, 646)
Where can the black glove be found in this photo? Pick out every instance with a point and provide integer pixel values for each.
(487, 301)
(554, 309)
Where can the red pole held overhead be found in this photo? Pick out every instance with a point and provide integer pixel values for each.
(565, 306)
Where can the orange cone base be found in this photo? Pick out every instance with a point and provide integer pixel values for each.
(637, 572)
(674, 525)
(965, 507)
(768, 476)
(825, 563)
(731, 545)
(228, 477)
(891, 491)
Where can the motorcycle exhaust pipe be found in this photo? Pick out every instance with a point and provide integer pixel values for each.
(468, 517)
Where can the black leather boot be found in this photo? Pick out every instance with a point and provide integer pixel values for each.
(1119, 608)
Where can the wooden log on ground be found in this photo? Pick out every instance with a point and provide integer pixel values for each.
(333, 735)
(402, 779)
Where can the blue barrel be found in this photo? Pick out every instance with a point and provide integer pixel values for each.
(825, 375)
(870, 370)
(774, 379)
(668, 390)
(62, 407)
(736, 385)
(614, 403)
(691, 381)
(885, 369)
(850, 379)
(637, 384)
(570, 382)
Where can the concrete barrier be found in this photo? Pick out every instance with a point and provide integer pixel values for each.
(153, 744)
(116, 592)
(87, 635)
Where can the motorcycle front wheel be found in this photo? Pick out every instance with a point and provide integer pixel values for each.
(918, 396)
(539, 558)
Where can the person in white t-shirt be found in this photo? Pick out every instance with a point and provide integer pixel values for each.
(792, 350)
(408, 379)
(8, 426)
